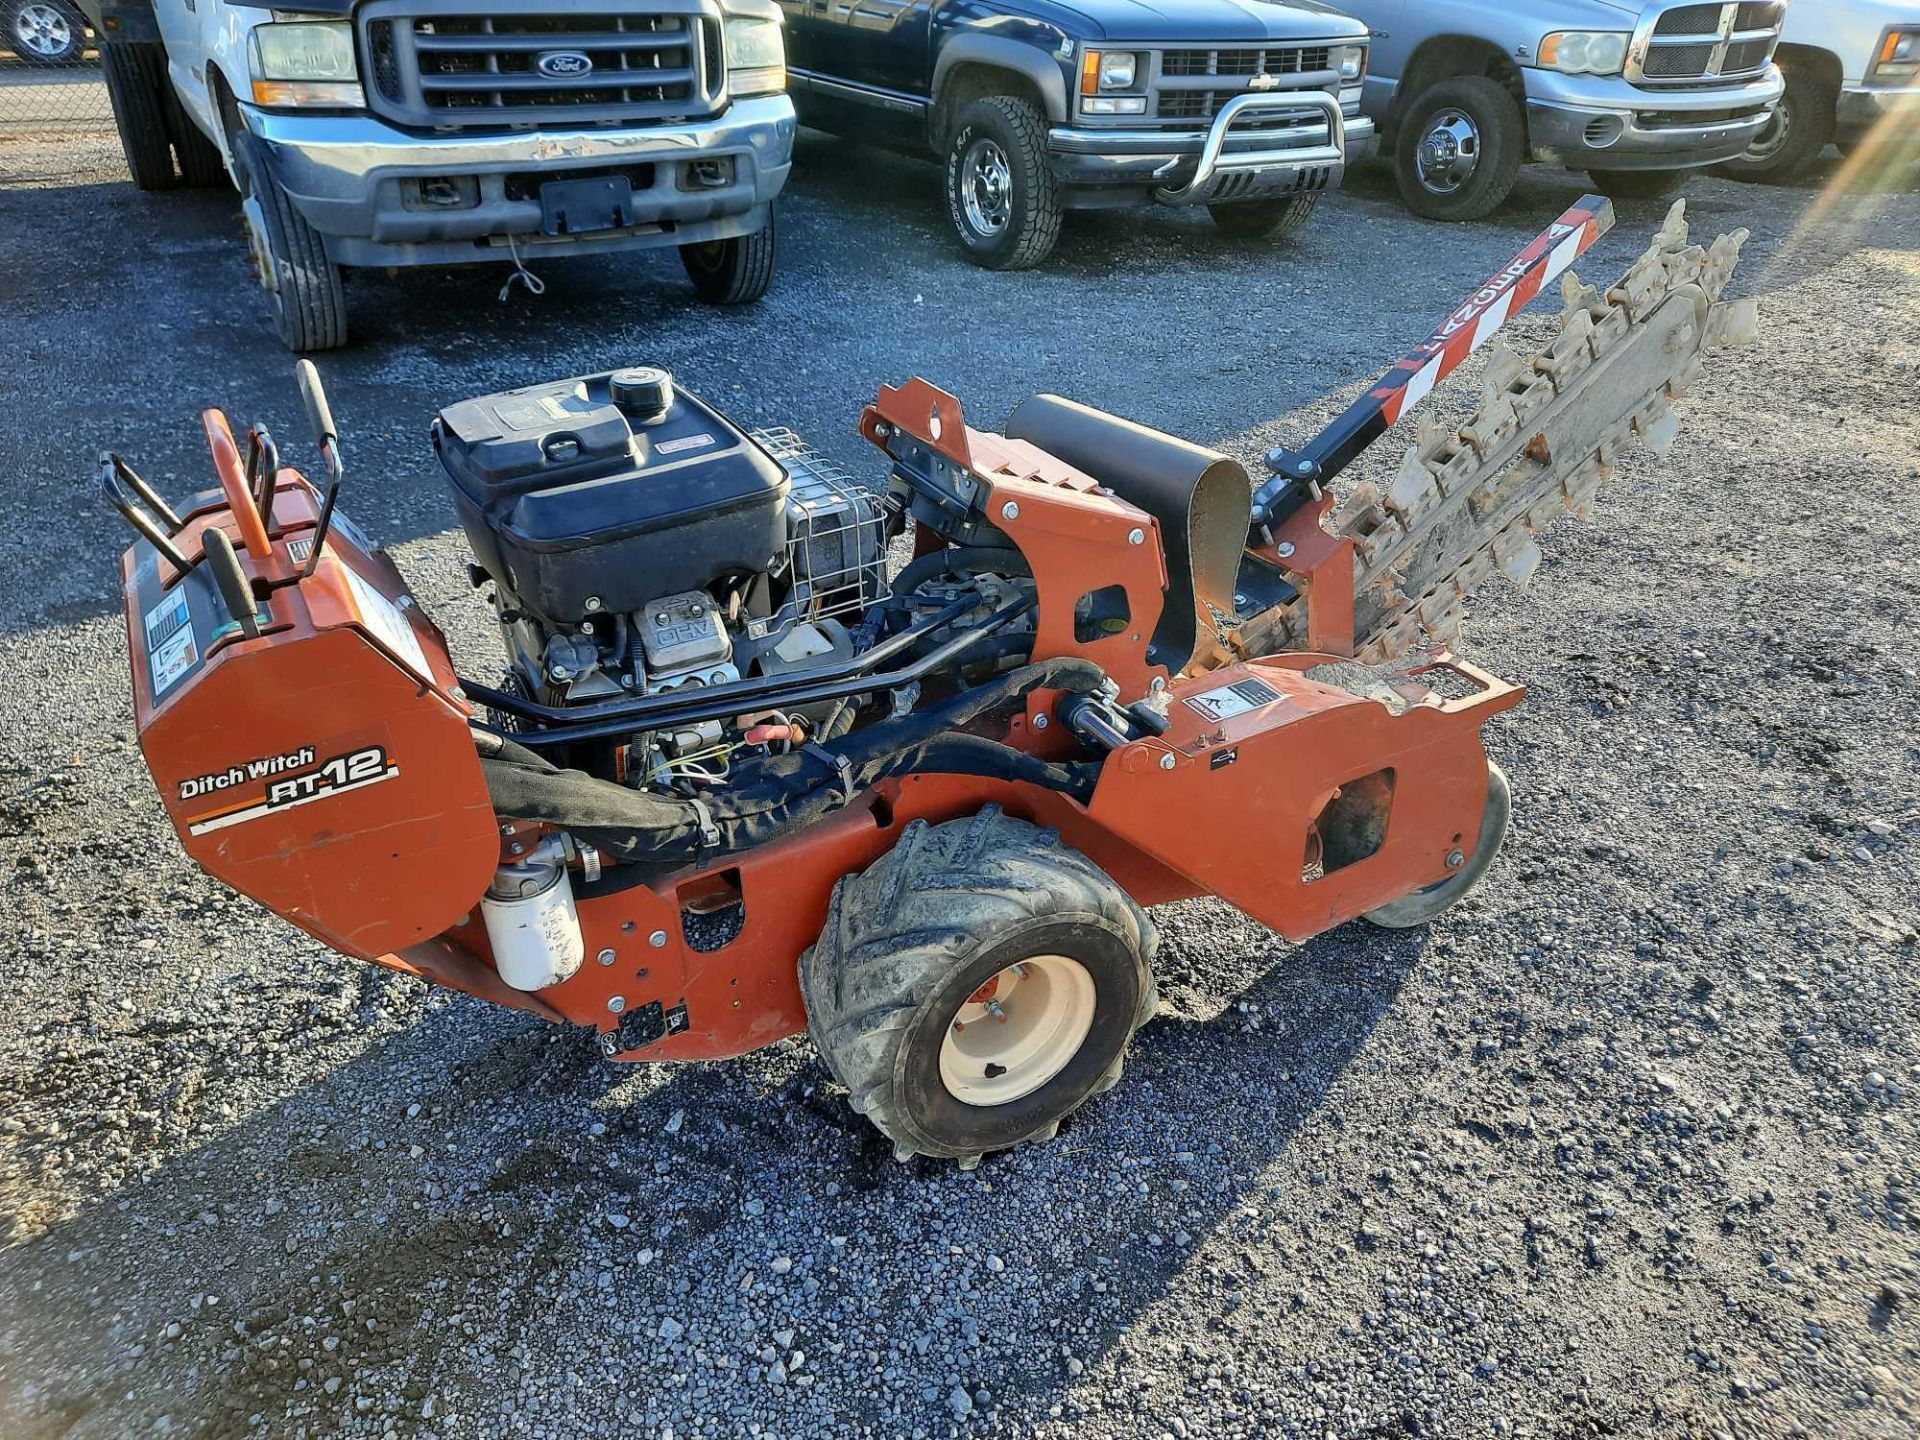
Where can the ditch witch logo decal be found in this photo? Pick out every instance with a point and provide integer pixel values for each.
(292, 780)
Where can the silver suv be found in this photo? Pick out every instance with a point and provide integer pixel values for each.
(1465, 93)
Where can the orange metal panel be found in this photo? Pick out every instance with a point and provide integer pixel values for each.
(324, 768)
(1229, 800)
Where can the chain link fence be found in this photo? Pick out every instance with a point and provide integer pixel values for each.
(49, 70)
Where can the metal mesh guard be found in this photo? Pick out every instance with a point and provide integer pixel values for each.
(837, 541)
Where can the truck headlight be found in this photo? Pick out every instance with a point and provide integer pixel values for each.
(1104, 71)
(1350, 61)
(756, 56)
(1585, 52)
(305, 62)
(1899, 53)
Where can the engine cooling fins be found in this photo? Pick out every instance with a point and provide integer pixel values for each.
(1468, 502)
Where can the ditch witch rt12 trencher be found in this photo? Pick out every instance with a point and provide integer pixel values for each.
(749, 774)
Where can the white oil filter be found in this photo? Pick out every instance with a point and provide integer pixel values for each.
(532, 924)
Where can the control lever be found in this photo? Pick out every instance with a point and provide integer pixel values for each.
(320, 416)
(144, 510)
(263, 470)
(231, 579)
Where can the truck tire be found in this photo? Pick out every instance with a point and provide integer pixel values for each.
(1636, 184)
(45, 32)
(1458, 148)
(732, 272)
(1423, 905)
(976, 985)
(1801, 126)
(136, 78)
(290, 258)
(1001, 194)
(200, 164)
(1264, 219)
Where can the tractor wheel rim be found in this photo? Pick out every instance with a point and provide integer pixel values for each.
(1448, 153)
(1017, 1031)
(42, 29)
(986, 187)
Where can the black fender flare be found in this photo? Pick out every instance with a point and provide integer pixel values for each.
(999, 52)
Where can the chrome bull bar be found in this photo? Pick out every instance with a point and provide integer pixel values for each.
(1215, 163)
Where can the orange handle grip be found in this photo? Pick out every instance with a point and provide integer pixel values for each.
(233, 484)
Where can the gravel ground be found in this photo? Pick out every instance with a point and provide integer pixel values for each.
(1625, 1145)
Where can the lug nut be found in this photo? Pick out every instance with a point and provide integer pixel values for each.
(1009, 511)
(606, 957)
(617, 1004)
(1455, 859)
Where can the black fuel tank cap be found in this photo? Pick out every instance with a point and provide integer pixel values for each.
(644, 392)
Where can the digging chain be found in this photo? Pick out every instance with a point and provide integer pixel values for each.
(1468, 502)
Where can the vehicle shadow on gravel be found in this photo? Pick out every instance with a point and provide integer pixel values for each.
(321, 1261)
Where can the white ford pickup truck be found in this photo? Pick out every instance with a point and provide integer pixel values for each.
(439, 132)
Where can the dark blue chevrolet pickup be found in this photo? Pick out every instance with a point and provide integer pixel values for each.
(1249, 107)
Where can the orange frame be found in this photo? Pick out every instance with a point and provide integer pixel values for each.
(1224, 802)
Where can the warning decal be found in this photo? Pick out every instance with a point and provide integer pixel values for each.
(171, 647)
(1236, 699)
(388, 625)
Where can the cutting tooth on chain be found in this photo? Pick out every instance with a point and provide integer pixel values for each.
(1574, 295)
(1543, 440)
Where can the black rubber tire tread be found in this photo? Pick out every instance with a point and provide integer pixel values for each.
(1503, 140)
(1034, 228)
(914, 921)
(1423, 905)
(201, 165)
(1636, 184)
(1809, 102)
(311, 310)
(1275, 219)
(135, 73)
(743, 271)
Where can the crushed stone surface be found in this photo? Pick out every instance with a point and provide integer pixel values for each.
(1624, 1145)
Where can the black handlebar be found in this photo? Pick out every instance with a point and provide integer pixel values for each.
(144, 510)
(314, 397)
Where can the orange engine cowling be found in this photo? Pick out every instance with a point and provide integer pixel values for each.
(324, 766)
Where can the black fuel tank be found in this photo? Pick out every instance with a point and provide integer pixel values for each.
(616, 488)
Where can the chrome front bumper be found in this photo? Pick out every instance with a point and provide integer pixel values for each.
(1583, 121)
(354, 179)
(1221, 163)
(1861, 107)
